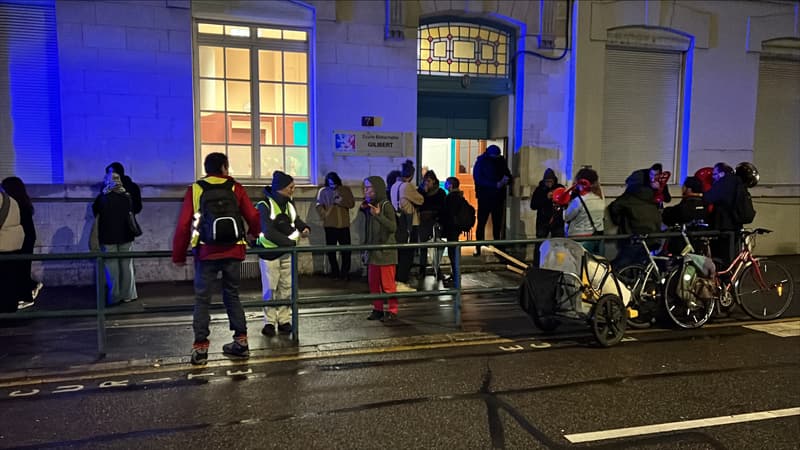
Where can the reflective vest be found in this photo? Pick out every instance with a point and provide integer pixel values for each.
(274, 211)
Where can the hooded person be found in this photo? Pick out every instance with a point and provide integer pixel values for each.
(281, 227)
(549, 221)
(492, 178)
(381, 225)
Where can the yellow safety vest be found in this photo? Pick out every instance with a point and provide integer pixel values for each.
(274, 210)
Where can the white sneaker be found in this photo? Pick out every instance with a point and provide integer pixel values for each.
(402, 287)
(35, 291)
(23, 304)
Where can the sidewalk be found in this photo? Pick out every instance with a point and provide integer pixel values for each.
(156, 330)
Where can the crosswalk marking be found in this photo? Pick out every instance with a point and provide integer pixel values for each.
(780, 329)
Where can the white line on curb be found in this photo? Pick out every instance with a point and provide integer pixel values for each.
(683, 425)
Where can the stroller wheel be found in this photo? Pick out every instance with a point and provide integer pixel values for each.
(609, 320)
(546, 324)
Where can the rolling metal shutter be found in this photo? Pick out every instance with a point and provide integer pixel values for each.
(640, 111)
(776, 151)
(30, 112)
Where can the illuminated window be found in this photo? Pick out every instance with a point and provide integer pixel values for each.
(253, 98)
(456, 49)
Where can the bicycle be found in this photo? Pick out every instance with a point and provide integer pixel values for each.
(762, 287)
(648, 284)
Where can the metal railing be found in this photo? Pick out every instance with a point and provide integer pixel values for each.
(456, 291)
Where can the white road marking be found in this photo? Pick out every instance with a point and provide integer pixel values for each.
(780, 329)
(683, 425)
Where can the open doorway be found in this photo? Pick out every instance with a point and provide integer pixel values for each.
(451, 157)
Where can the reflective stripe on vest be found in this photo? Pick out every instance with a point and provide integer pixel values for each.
(274, 210)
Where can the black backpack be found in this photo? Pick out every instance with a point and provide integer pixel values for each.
(743, 210)
(221, 221)
(465, 216)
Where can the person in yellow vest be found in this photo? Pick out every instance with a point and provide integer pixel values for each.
(280, 227)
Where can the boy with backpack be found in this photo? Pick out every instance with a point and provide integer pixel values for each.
(212, 219)
(458, 217)
(280, 227)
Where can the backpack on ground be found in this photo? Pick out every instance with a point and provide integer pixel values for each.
(743, 210)
(465, 216)
(221, 221)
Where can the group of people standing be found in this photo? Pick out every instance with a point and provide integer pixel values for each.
(639, 210)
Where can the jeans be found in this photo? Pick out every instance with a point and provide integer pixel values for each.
(204, 277)
(120, 279)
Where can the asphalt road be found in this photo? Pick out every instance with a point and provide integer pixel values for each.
(522, 394)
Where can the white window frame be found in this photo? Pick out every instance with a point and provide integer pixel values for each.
(254, 44)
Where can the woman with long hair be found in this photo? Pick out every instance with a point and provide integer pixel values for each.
(16, 189)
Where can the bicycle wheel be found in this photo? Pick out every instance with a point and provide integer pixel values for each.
(643, 294)
(765, 290)
(685, 308)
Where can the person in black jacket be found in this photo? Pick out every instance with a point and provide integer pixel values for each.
(450, 229)
(130, 187)
(281, 226)
(634, 212)
(112, 210)
(721, 197)
(549, 221)
(648, 177)
(430, 218)
(30, 288)
(691, 210)
(492, 179)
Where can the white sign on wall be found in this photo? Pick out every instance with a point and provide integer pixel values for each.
(371, 143)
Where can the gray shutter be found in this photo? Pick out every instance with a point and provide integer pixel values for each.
(30, 112)
(640, 111)
(776, 151)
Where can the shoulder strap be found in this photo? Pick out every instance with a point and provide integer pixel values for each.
(586, 208)
(5, 208)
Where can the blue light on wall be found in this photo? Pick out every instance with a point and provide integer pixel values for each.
(33, 86)
(687, 109)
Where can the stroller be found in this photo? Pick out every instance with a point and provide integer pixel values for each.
(577, 285)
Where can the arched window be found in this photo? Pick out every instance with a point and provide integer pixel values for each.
(460, 48)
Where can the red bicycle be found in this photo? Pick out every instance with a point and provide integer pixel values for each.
(762, 287)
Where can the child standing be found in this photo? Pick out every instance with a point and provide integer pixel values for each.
(381, 264)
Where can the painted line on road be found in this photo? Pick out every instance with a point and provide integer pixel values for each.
(186, 367)
(578, 438)
(780, 329)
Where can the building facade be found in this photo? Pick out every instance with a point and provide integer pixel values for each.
(358, 87)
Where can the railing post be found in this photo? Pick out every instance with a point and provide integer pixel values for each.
(457, 283)
(295, 312)
(101, 307)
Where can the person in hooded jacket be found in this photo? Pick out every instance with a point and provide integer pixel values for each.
(647, 177)
(381, 226)
(492, 179)
(12, 236)
(722, 197)
(281, 226)
(111, 211)
(549, 221)
(634, 212)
